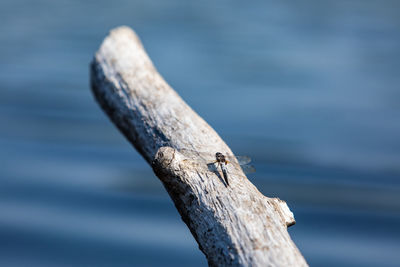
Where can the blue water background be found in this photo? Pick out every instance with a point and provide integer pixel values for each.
(309, 89)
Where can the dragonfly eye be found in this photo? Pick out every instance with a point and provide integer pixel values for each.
(218, 155)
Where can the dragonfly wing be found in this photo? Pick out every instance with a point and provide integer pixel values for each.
(209, 159)
(197, 156)
(248, 168)
(243, 159)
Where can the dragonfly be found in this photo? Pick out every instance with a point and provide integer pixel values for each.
(222, 161)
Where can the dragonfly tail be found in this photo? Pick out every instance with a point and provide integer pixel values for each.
(225, 177)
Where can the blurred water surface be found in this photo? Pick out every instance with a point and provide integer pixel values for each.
(310, 90)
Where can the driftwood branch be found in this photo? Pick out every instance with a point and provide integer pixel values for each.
(234, 225)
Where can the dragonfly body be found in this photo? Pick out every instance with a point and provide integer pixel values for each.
(221, 160)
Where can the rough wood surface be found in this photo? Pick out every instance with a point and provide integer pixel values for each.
(234, 225)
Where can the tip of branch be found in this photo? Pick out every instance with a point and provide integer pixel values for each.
(124, 31)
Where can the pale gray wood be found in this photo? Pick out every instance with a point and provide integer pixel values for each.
(234, 225)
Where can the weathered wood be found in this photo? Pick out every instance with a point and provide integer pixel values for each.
(234, 225)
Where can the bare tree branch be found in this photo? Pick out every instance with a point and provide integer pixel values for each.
(234, 225)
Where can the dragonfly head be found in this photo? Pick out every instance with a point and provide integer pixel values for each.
(219, 157)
